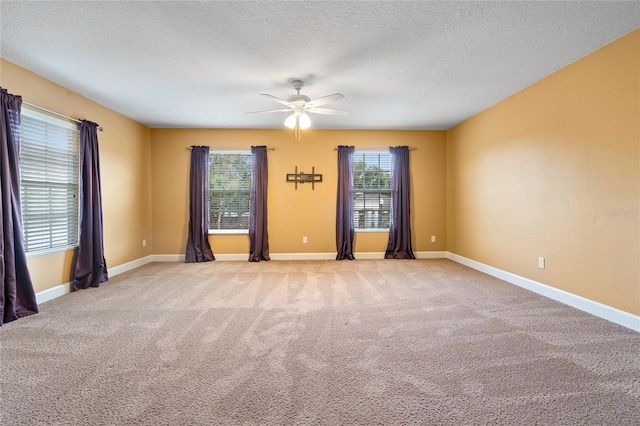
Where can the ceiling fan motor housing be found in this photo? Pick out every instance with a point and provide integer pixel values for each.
(299, 104)
(298, 100)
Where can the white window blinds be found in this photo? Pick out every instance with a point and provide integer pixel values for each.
(229, 190)
(372, 188)
(49, 182)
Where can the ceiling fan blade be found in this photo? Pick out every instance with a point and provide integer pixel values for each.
(279, 100)
(271, 110)
(327, 111)
(324, 100)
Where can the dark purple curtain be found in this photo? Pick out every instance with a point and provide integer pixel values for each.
(344, 204)
(399, 246)
(198, 248)
(91, 267)
(258, 235)
(17, 297)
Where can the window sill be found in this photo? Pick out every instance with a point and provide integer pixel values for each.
(44, 252)
(372, 230)
(228, 231)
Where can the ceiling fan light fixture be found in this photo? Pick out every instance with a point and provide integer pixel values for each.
(299, 105)
(290, 122)
(305, 121)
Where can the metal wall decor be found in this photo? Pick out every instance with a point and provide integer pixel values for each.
(303, 177)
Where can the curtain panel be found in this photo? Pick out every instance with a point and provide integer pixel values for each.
(91, 266)
(344, 204)
(198, 248)
(17, 297)
(258, 235)
(399, 246)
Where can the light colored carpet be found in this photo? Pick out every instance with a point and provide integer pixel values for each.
(315, 342)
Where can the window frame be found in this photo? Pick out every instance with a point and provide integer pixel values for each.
(367, 151)
(76, 185)
(236, 231)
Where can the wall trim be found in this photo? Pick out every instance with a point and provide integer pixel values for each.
(62, 289)
(168, 257)
(431, 254)
(219, 257)
(117, 270)
(302, 256)
(299, 256)
(598, 309)
(52, 293)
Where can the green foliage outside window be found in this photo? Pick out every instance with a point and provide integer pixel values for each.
(372, 187)
(229, 187)
(369, 176)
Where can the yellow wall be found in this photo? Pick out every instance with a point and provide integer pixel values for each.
(552, 171)
(125, 150)
(292, 213)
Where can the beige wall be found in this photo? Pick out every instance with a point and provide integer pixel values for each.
(553, 171)
(292, 213)
(125, 151)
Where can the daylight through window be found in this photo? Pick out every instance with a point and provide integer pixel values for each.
(372, 189)
(49, 188)
(229, 190)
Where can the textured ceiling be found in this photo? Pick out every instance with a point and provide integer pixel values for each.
(401, 65)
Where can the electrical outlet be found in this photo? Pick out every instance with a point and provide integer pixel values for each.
(144, 243)
(433, 238)
(304, 240)
(541, 262)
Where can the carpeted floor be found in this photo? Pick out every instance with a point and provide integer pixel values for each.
(315, 342)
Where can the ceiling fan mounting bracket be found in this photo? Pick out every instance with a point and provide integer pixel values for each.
(297, 84)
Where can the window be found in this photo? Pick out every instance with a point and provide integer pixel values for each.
(229, 191)
(49, 182)
(372, 188)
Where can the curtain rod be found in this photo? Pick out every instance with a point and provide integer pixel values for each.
(190, 147)
(411, 148)
(55, 113)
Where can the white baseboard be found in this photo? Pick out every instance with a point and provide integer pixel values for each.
(117, 270)
(609, 313)
(372, 255)
(62, 289)
(219, 257)
(313, 256)
(302, 256)
(168, 257)
(431, 254)
(52, 293)
(299, 256)
(366, 255)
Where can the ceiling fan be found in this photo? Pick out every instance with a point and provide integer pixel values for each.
(299, 105)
